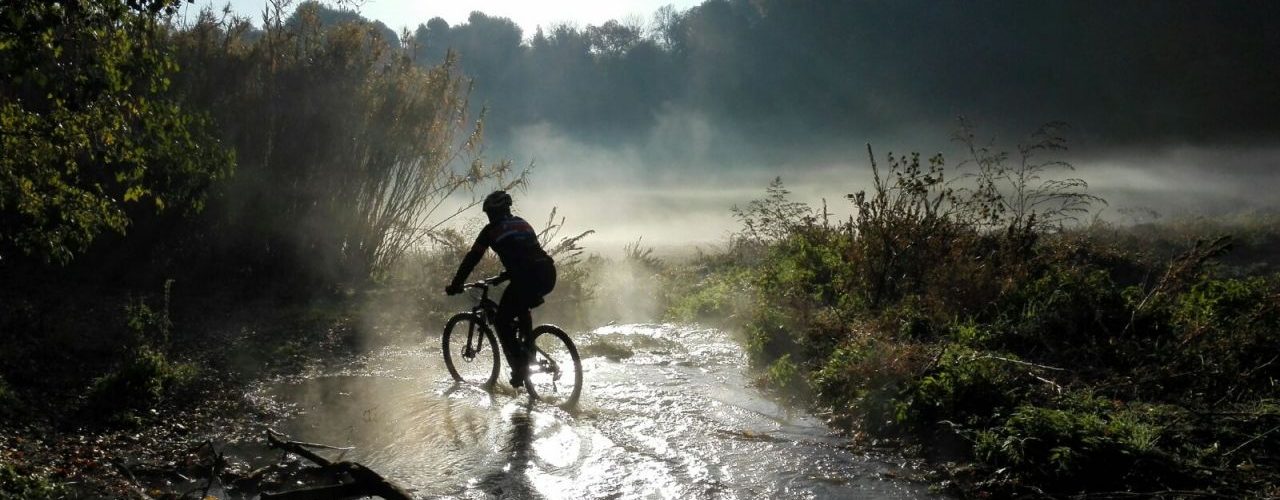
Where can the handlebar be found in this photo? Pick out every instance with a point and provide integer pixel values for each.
(484, 284)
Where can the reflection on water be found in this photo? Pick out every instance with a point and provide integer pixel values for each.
(674, 418)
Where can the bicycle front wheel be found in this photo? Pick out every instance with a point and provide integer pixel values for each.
(555, 370)
(470, 350)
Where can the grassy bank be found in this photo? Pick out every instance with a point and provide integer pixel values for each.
(963, 319)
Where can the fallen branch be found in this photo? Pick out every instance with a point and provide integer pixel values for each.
(1153, 494)
(1020, 362)
(1255, 438)
(357, 480)
(1057, 388)
(1250, 414)
(133, 481)
(215, 471)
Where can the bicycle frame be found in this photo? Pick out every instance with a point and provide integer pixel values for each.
(543, 364)
(486, 310)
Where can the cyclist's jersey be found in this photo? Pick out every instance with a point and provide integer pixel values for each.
(515, 242)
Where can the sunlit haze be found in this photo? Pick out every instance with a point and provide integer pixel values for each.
(658, 249)
(660, 143)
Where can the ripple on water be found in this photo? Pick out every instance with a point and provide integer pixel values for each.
(668, 412)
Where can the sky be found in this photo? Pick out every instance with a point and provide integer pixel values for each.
(528, 14)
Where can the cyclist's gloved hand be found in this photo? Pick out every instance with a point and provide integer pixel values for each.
(453, 289)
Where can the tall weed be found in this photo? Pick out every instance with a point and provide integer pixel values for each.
(966, 310)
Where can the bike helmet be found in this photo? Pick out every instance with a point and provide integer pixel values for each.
(497, 201)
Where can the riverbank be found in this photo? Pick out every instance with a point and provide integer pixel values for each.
(1051, 384)
(109, 392)
(1021, 360)
(670, 410)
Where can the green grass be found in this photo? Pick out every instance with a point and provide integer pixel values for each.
(144, 379)
(17, 485)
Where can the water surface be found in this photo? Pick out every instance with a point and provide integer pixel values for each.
(668, 411)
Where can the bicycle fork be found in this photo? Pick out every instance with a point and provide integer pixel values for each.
(469, 352)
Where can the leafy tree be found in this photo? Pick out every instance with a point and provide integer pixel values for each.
(87, 134)
(433, 40)
(348, 148)
(612, 38)
(330, 16)
(665, 22)
(800, 75)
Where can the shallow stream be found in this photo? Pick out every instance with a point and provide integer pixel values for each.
(668, 411)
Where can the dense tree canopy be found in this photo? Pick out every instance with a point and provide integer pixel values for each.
(816, 71)
(86, 133)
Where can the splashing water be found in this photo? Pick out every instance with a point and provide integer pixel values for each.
(667, 412)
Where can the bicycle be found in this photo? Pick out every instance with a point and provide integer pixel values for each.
(549, 351)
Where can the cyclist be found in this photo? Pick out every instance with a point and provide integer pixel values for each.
(530, 269)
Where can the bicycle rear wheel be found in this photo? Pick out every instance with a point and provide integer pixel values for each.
(555, 370)
(470, 350)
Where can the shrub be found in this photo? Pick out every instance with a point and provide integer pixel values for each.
(150, 326)
(1065, 313)
(962, 314)
(362, 149)
(772, 218)
(723, 296)
(144, 379)
(18, 485)
(966, 387)
(866, 377)
(9, 401)
(784, 376)
(144, 376)
(1226, 336)
(903, 229)
(770, 334)
(1087, 444)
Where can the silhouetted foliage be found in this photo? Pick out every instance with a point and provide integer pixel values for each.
(323, 15)
(90, 141)
(772, 218)
(347, 149)
(968, 315)
(784, 73)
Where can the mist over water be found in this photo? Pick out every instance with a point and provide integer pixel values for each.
(676, 192)
(655, 127)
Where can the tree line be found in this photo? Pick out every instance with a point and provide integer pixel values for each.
(795, 74)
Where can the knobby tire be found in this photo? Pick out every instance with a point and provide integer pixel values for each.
(453, 344)
(559, 345)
